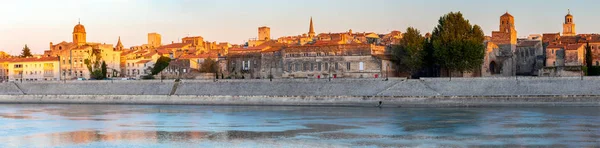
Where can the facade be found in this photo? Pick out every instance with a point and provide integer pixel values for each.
(75, 57)
(34, 69)
(337, 61)
(499, 57)
(569, 25)
(530, 57)
(4, 69)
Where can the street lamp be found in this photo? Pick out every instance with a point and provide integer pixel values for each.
(271, 69)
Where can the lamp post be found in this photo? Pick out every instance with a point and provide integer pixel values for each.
(387, 72)
(271, 69)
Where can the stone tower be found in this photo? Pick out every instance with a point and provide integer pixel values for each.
(507, 33)
(264, 33)
(154, 40)
(569, 26)
(79, 35)
(311, 29)
(119, 46)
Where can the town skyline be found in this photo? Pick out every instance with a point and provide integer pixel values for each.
(175, 20)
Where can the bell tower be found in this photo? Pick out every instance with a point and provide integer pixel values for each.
(79, 35)
(569, 25)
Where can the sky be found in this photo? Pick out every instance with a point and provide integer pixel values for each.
(39, 22)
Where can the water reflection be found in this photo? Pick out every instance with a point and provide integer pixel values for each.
(221, 126)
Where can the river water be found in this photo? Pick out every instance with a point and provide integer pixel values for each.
(262, 126)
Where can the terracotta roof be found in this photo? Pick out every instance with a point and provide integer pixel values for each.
(200, 56)
(33, 59)
(143, 61)
(556, 46)
(574, 46)
(507, 15)
(174, 45)
(149, 55)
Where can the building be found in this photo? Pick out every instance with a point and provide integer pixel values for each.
(34, 69)
(569, 25)
(79, 56)
(499, 53)
(4, 69)
(336, 61)
(530, 57)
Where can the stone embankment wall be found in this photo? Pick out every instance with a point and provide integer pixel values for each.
(522, 91)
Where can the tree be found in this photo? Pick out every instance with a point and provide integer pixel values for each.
(209, 66)
(161, 64)
(4, 55)
(588, 55)
(103, 69)
(458, 46)
(409, 53)
(26, 52)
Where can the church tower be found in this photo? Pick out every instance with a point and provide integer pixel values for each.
(311, 30)
(507, 31)
(119, 46)
(79, 34)
(569, 26)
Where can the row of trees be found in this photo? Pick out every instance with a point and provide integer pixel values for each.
(454, 45)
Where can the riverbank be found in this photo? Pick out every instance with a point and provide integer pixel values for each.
(459, 92)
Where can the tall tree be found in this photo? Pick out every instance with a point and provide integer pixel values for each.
(457, 44)
(161, 63)
(4, 55)
(26, 52)
(104, 69)
(408, 54)
(588, 55)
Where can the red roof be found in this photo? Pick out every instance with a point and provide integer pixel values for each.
(200, 56)
(31, 59)
(174, 45)
(574, 46)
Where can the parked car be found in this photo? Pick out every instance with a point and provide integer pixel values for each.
(81, 79)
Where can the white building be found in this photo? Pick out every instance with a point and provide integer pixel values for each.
(34, 69)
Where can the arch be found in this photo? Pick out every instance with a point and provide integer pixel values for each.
(494, 68)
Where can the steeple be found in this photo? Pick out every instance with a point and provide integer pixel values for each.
(569, 25)
(311, 30)
(119, 44)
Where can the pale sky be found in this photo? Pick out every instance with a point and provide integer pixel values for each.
(39, 22)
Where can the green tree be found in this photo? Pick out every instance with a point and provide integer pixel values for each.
(458, 45)
(103, 69)
(588, 55)
(209, 66)
(409, 53)
(26, 52)
(161, 63)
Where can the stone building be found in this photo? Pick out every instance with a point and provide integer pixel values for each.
(569, 25)
(4, 69)
(337, 61)
(73, 56)
(530, 57)
(499, 53)
(245, 63)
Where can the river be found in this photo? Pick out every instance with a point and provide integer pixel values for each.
(51, 125)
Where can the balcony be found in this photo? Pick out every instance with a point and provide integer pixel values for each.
(17, 76)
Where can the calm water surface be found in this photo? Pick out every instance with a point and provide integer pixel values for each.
(243, 126)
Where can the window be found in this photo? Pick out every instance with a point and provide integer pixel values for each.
(326, 66)
(597, 63)
(312, 67)
(297, 67)
(289, 67)
(336, 66)
(361, 66)
(552, 51)
(319, 66)
(348, 66)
